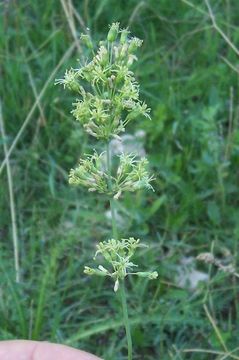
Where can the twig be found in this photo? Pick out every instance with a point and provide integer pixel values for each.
(29, 73)
(135, 11)
(230, 124)
(212, 321)
(230, 354)
(42, 116)
(219, 30)
(230, 64)
(214, 22)
(70, 19)
(193, 6)
(211, 352)
(11, 197)
(78, 17)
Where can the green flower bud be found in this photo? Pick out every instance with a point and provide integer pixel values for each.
(90, 271)
(103, 56)
(70, 80)
(150, 275)
(134, 44)
(116, 286)
(123, 37)
(153, 275)
(113, 32)
(104, 270)
(86, 41)
(124, 50)
(74, 86)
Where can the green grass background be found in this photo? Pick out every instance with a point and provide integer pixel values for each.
(192, 144)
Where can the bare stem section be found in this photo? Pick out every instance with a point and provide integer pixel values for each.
(219, 30)
(126, 320)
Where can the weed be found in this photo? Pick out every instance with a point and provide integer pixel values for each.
(189, 77)
(109, 100)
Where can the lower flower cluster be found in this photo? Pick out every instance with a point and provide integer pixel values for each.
(118, 254)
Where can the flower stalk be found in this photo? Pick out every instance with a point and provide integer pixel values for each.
(107, 100)
(126, 319)
(121, 285)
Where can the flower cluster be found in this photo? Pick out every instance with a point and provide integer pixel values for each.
(131, 175)
(118, 254)
(90, 173)
(107, 89)
(107, 100)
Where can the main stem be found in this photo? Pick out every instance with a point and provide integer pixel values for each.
(112, 200)
(115, 236)
(126, 318)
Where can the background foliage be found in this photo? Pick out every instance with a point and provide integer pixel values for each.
(192, 143)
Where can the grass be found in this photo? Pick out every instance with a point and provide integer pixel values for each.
(193, 147)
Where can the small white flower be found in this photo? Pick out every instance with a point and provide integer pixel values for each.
(116, 286)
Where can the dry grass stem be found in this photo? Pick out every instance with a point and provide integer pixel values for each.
(11, 198)
(35, 105)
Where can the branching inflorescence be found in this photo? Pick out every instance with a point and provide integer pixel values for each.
(108, 99)
(131, 175)
(109, 93)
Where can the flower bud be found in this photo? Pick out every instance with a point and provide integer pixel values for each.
(101, 268)
(131, 59)
(153, 275)
(90, 271)
(74, 86)
(134, 44)
(91, 189)
(123, 37)
(86, 41)
(123, 50)
(116, 286)
(116, 196)
(113, 32)
(150, 275)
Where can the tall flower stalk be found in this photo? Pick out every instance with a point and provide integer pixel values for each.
(108, 99)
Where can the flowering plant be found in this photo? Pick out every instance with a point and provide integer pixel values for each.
(108, 99)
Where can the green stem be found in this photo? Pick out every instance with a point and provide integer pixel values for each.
(112, 200)
(126, 318)
(113, 219)
(115, 236)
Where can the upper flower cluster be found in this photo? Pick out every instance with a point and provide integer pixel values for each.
(108, 92)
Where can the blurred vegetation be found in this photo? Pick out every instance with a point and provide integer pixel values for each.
(186, 76)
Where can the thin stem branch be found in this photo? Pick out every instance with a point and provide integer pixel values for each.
(217, 331)
(34, 106)
(68, 10)
(206, 351)
(214, 23)
(126, 319)
(219, 30)
(12, 201)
